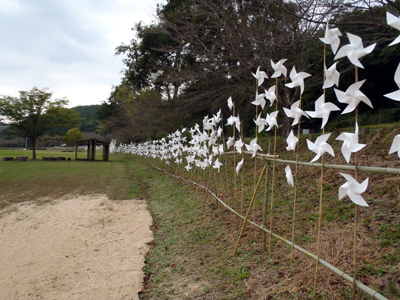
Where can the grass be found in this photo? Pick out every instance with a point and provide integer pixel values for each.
(32, 180)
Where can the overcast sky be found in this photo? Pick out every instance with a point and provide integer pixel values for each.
(67, 45)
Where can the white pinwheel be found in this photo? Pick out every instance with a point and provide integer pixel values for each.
(237, 123)
(297, 79)
(239, 166)
(295, 112)
(393, 21)
(259, 100)
(353, 96)
(230, 103)
(332, 37)
(320, 146)
(260, 76)
(270, 94)
(355, 50)
(395, 145)
(253, 147)
(322, 110)
(350, 143)
(271, 120)
(231, 120)
(353, 189)
(289, 176)
(279, 68)
(291, 141)
(217, 164)
(217, 118)
(395, 95)
(230, 142)
(331, 77)
(188, 167)
(238, 145)
(261, 123)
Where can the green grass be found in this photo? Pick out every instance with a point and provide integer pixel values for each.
(31, 180)
(40, 153)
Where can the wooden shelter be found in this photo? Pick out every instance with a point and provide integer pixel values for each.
(91, 149)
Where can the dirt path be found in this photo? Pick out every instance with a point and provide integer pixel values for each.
(82, 248)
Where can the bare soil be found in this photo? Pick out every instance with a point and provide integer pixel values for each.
(88, 247)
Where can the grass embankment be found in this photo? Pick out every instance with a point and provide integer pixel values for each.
(22, 181)
(194, 238)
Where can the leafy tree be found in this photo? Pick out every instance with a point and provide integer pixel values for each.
(72, 136)
(34, 113)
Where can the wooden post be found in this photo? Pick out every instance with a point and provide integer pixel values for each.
(76, 150)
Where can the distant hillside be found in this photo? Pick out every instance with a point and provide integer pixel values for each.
(89, 117)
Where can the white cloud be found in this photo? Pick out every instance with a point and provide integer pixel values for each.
(66, 45)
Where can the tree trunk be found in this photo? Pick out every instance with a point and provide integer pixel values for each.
(33, 149)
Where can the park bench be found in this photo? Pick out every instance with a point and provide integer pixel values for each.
(21, 158)
(8, 158)
(49, 158)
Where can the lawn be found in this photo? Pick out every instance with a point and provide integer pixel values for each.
(32, 180)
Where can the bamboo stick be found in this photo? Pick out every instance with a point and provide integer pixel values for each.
(273, 174)
(251, 204)
(265, 206)
(321, 196)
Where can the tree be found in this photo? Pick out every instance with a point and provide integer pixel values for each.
(34, 113)
(72, 136)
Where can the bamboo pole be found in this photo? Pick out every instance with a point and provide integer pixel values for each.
(234, 152)
(355, 212)
(251, 204)
(265, 206)
(295, 182)
(242, 190)
(273, 174)
(321, 196)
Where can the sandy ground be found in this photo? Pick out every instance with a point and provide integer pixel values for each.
(83, 248)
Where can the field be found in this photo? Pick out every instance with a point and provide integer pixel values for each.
(41, 180)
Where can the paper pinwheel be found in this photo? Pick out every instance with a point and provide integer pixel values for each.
(231, 120)
(238, 145)
(322, 110)
(221, 149)
(239, 166)
(260, 122)
(237, 123)
(217, 165)
(230, 103)
(332, 37)
(270, 94)
(395, 95)
(393, 21)
(188, 167)
(229, 143)
(395, 145)
(291, 141)
(279, 68)
(355, 50)
(217, 118)
(253, 147)
(295, 112)
(297, 79)
(271, 120)
(260, 75)
(331, 77)
(353, 189)
(219, 131)
(353, 96)
(350, 143)
(320, 146)
(259, 100)
(289, 176)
